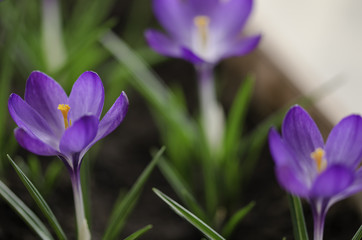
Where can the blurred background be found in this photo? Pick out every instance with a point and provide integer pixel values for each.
(309, 48)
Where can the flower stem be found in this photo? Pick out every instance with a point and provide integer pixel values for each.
(212, 120)
(83, 230)
(212, 117)
(319, 212)
(318, 227)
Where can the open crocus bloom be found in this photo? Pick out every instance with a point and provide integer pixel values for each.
(202, 31)
(321, 173)
(51, 123)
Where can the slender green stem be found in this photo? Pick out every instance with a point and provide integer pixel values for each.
(83, 231)
(212, 121)
(319, 209)
(298, 220)
(211, 113)
(318, 227)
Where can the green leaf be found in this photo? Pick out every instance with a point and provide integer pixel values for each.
(252, 144)
(123, 208)
(24, 212)
(6, 74)
(39, 200)
(51, 174)
(139, 233)
(34, 169)
(145, 80)
(236, 117)
(135, 24)
(296, 212)
(235, 219)
(149, 85)
(358, 235)
(181, 188)
(191, 218)
(232, 138)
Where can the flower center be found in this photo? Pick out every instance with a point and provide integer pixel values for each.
(64, 108)
(202, 24)
(318, 157)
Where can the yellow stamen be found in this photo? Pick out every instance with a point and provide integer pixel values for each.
(64, 108)
(318, 157)
(202, 24)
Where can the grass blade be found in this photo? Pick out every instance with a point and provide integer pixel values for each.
(24, 212)
(139, 233)
(191, 218)
(51, 175)
(122, 208)
(39, 200)
(148, 84)
(235, 219)
(358, 235)
(147, 81)
(136, 25)
(296, 212)
(181, 188)
(253, 143)
(236, 117)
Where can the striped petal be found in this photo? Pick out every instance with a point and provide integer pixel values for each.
(87, 96)
(33, 144)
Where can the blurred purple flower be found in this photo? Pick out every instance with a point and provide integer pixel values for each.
(202, 31)
(321, 173)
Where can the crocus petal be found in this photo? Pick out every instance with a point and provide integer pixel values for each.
(163, 44)
(87, 96)
(357, 184)
(175, 16)
(229, 17)
(290, 181)
(33, 144)
(242, 47)
(344, 142)
(79, 135)
(44, 95)
(31, 121)
(204, 8)
(332, 181)
(302, 134)
(279, 151)
(354, 188)
(113, 117)
(284, 158)
(188, 55)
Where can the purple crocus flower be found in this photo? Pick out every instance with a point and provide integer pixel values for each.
(52, 124)
(202, 31)
(322, 173)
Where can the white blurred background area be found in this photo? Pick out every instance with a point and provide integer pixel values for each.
(313, 42)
